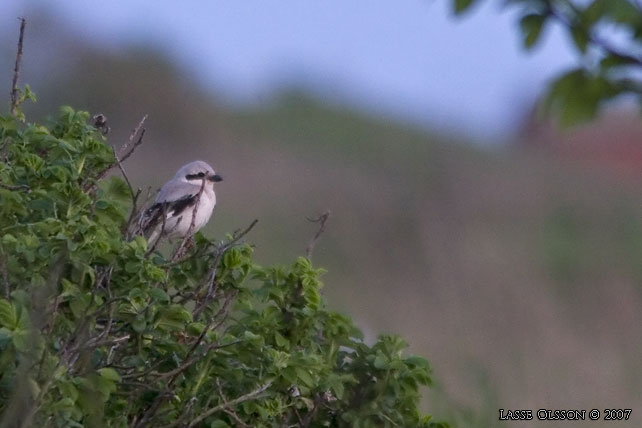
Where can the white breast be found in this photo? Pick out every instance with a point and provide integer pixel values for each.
(179, 226)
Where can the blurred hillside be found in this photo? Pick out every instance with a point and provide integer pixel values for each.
(610, 143)
(516, 273)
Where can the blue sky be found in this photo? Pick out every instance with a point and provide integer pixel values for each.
(410, 59)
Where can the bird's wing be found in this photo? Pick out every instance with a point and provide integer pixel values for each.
(175, 190)
(172, 199)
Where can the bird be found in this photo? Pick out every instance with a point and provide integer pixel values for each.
(176, 201)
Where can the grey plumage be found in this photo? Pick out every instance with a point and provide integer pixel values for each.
(177, 199)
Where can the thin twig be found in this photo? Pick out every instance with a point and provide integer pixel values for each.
(5, 274)
(97, 344)
(134, 194)
(17, 187)
(125, 147)
(220, 251)
(307, 419)
(235, 416)
(133, 213)
(16, 70)
(136, 219)
(230, 404)
(138, 142)
(122, 170)
(322, 219)
(568, 23)
(230, 412)
(222, 311)
(222, 248)
(124, 152)
(188, 363)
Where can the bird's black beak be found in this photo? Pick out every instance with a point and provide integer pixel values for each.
(216, 178)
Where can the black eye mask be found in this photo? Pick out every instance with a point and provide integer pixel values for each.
(195, 176)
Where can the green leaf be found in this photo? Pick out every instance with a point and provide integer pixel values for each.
(615, 60)
(20, 339)
(159, 294)
(417, 361)
(139, 324)
(380, 362)
(281, 341)
(67, 389)
(133, 267)
(461, 6)
(109, 374)
(621, 11)
(304, 376)
(338, 389)
(8, 316)
(531, 26)
(580, 37)
(79, 304)
(577, 95)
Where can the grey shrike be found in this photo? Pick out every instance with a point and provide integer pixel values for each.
(177, 199)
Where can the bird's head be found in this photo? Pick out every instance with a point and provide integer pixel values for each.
(196, 171)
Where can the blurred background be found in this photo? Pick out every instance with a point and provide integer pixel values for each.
(506, 250)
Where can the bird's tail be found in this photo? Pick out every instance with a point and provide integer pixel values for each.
(153, 237)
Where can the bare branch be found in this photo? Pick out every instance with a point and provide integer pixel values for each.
(96, 344)
(236, 236)
(122, 170)
(138, 142)
(221, 248)
(322, 219)
(17, 187)
(239, 421)
(16, 70)
(134, 196)
(230, 412)
(125, 150)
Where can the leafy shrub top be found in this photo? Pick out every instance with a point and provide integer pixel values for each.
(97, 329)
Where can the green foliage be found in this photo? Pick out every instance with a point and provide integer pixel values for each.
(461, 6)
(97, 330)
(531, 26)
(607, 35)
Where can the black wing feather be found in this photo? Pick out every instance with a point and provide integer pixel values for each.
(153, 215)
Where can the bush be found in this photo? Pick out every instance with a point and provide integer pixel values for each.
(96, 329)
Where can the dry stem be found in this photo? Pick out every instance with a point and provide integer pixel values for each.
(16, 70)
